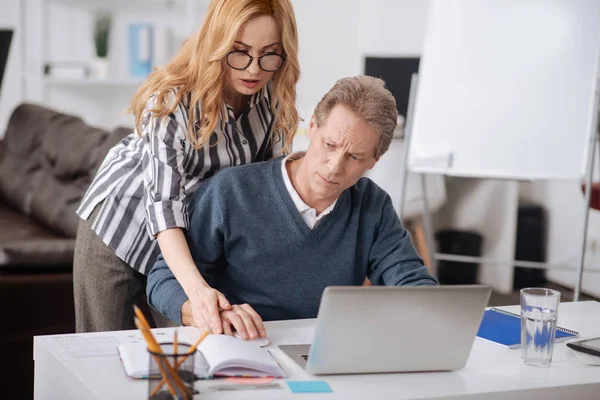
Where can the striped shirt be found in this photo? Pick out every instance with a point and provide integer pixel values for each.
(145, 182)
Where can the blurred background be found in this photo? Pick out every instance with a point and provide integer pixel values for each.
(85, 58)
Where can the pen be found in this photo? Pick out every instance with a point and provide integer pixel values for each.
(271, 385)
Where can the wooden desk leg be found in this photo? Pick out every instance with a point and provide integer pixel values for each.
(421, 243)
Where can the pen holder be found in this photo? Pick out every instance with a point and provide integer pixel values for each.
(171, 372)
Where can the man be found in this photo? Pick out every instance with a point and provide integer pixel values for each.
(276, 234)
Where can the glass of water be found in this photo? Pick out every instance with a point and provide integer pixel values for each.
(539, 311)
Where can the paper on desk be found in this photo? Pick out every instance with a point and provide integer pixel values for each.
(292, 336)
(78, 346)
(309, 386)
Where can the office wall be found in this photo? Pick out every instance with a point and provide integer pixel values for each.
(564, 203)
(392, 27)
(335, 35)
(11, 92)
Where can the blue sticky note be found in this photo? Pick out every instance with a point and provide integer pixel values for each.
(309, 386)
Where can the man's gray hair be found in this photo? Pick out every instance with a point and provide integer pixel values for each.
(369, 100)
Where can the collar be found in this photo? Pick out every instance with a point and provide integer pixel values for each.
(263, 94)
(301, 206)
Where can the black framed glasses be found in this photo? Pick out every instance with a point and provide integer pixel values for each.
(241, 60)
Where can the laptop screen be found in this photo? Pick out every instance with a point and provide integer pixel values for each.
(5, 39)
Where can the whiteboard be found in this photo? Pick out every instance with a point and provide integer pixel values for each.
(507, 89)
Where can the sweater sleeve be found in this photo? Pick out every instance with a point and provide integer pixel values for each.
(393, 259)
(205, 240)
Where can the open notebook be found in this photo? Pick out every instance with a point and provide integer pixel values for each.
(217, 355)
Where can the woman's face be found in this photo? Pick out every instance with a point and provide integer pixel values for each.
(258, 37)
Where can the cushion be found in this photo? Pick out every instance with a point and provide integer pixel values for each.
(68, 159)
(19, 162)
(68, 148)
(25, 242)
(47, 161)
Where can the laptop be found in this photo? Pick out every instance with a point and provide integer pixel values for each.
(392, 329)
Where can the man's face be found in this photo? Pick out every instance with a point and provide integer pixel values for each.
(339, 153)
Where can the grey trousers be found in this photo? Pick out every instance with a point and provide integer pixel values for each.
(104, 286)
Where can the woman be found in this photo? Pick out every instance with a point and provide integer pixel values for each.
(228, 98)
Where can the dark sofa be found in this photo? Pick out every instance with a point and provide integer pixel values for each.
(47, 161)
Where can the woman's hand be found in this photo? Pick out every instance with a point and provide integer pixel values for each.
(205, 303)
(238, 318)
(203, 308)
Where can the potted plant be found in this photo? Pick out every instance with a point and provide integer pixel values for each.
(101, 37)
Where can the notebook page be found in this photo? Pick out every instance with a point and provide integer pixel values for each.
(224, 352)
(228, 355)
(136, 361)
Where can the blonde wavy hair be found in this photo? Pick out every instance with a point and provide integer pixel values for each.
(199, 69)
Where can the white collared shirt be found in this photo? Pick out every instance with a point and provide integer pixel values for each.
(309, 215)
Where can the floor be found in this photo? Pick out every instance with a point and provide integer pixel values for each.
(498, 299)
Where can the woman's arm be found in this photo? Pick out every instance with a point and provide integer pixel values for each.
(175, 289)
(166, 212)
(207, 302)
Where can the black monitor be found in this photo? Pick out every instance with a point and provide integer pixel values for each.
(397, 73)
(5, 39)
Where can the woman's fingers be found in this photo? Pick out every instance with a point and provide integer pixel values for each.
(223, 303)
(211, 310)
(205, 308)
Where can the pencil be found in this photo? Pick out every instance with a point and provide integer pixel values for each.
(152, 347)
(169, 373)
(200, 339)
(175, 344)
(191, 350)
(141, 316)
(194, 346)
(144, 326)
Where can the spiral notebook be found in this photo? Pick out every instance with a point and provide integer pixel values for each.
(504, 327)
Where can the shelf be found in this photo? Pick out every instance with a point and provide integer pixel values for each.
(92, 81)
(122, 4)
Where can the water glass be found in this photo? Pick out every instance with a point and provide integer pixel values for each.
(539, 311)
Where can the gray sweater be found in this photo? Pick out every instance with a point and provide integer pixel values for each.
(250, 242)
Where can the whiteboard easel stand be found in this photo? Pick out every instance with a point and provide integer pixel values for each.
(428, 226)
(594, 139)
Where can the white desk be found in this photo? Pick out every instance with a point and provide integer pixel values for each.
(492, 372)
